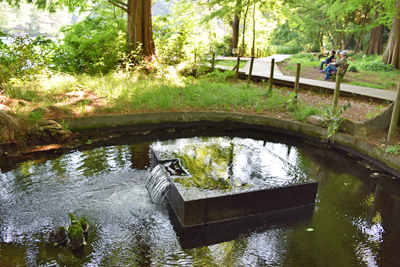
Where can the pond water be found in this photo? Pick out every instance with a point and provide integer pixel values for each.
(355, 219)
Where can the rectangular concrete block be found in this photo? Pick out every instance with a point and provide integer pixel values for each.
(232, 206)
(189, 211)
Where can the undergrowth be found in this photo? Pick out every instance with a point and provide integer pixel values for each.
(121, 92)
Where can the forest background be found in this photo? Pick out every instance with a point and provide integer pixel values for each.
(97, 36)
(77, 58)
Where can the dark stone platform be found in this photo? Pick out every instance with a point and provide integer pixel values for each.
(208, 216)
(198, 209)
(222, 231)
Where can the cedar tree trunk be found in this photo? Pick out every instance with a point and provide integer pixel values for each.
(348, 41)
(235, 32)
(342, 41)
(139, 28)
(392, 51)
(375, 45)
(358, 42)
(244, 27)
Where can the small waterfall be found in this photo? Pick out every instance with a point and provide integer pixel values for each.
(157, 183)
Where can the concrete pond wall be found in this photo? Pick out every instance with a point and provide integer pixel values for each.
(353, 140)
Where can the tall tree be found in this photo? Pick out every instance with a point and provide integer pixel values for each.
(351, 37)
(235, 25)
(244, 26)
(392, 51)
(139, 27)
(139, 24)
(375, 45)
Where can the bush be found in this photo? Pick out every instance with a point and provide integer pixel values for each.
(94, 45)
(284, 49)
(23, 58)
(375, 65)
(352, 69)
(304, 57)
(171, 39)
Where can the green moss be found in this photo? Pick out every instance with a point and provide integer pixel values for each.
(73, 219)
(75, 231)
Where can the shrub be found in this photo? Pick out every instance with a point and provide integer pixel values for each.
(375, 65)
(352, 69)
(94, 45)
(23, 57)
(303, 55)
(171, 39)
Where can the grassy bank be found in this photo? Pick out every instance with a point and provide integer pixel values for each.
(83, 95)
(364, 70)
(231, 63)
(60, 95)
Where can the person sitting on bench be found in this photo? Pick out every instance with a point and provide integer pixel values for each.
(328, 60)
(332, 67)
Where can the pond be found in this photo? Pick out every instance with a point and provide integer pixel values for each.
(354, 222)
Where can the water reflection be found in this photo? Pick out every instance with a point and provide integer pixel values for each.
(355, 220)
(233, 163)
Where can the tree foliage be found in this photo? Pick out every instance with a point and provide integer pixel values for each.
(94, 45)
(23, 58)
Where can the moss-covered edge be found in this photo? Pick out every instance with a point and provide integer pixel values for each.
(350, 143)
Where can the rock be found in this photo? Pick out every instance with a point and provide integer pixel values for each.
(317, 120)
(4, 107)
(10, 127)
(23, 102)
(41, 109)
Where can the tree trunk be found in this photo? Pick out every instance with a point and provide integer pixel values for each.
(139, 27)
(358, 43)
(235, 32)
(235, 25)
(244, 26)
(254, 30)
(348, 42)
(321, 40)
(375, 45)
(342, 41)
(392, 51)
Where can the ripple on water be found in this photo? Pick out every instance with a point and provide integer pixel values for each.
(127, 229)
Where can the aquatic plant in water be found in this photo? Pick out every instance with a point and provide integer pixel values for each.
(75, 232)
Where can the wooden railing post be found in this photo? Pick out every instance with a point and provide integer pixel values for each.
(251, 65)
(296, 84)
(395, 115)
(339, 76)
(213, 62)
(237, 65)
(271, 76)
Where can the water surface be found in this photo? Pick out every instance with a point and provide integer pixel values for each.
(355, 221)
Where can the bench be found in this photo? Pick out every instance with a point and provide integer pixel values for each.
(344, 70)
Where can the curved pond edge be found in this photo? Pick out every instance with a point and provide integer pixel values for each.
(164, 120)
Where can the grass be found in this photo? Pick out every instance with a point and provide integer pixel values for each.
(127, 93)
(370, 70)
(230, 63)
(393, 149)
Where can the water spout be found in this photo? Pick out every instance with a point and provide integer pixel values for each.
(157, 183)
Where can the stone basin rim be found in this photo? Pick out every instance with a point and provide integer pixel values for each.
(165, 120)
